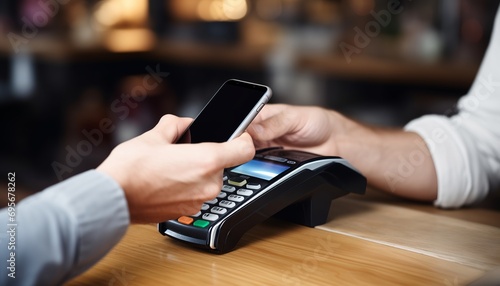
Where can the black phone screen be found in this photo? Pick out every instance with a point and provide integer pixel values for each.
(224, 112)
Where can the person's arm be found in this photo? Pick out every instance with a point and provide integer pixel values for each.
(450, 161)
(466, 147)
(392, 160)
(62, 231)
(66, 228)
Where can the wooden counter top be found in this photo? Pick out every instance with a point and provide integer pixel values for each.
(363, 243)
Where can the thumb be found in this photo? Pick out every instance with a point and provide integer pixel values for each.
(270, 128)
(171, 127)
(237, 151)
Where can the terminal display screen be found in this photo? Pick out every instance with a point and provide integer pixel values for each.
(260, 169)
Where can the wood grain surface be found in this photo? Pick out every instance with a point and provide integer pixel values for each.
(273, 253)
(431, 234)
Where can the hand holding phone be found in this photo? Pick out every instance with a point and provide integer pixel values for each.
(228, 113)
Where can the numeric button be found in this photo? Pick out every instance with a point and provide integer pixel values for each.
(227, 204)
(229, 189)
(210, 216)
(235, 198)
(214, 201)
(244, 192)
(219, 210)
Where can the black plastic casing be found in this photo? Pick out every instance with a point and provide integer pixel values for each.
(303, 196)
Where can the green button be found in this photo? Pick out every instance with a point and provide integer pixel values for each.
(201, 223)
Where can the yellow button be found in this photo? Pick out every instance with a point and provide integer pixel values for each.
(236, 182)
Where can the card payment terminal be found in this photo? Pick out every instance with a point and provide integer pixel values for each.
(292, 185)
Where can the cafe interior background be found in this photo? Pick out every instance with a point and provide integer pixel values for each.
(77, 77)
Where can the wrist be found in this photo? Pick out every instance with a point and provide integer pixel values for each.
(357, 143)
(112, 172)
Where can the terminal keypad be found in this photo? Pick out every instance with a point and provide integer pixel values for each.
(235, 191)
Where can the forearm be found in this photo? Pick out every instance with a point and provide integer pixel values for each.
(395, 161)
(64, 230)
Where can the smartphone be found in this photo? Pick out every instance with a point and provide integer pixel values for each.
(228, 113)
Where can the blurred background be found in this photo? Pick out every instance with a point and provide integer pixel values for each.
(78, 77)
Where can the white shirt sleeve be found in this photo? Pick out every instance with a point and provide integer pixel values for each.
(63, 230)
(466, 147)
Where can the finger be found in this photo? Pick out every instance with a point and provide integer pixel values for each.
(237, 151)
(171, 127)
(267, 111)
(257, 126)
(273, 127)
(183, 125)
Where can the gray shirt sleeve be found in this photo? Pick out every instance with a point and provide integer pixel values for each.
(62, 231)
